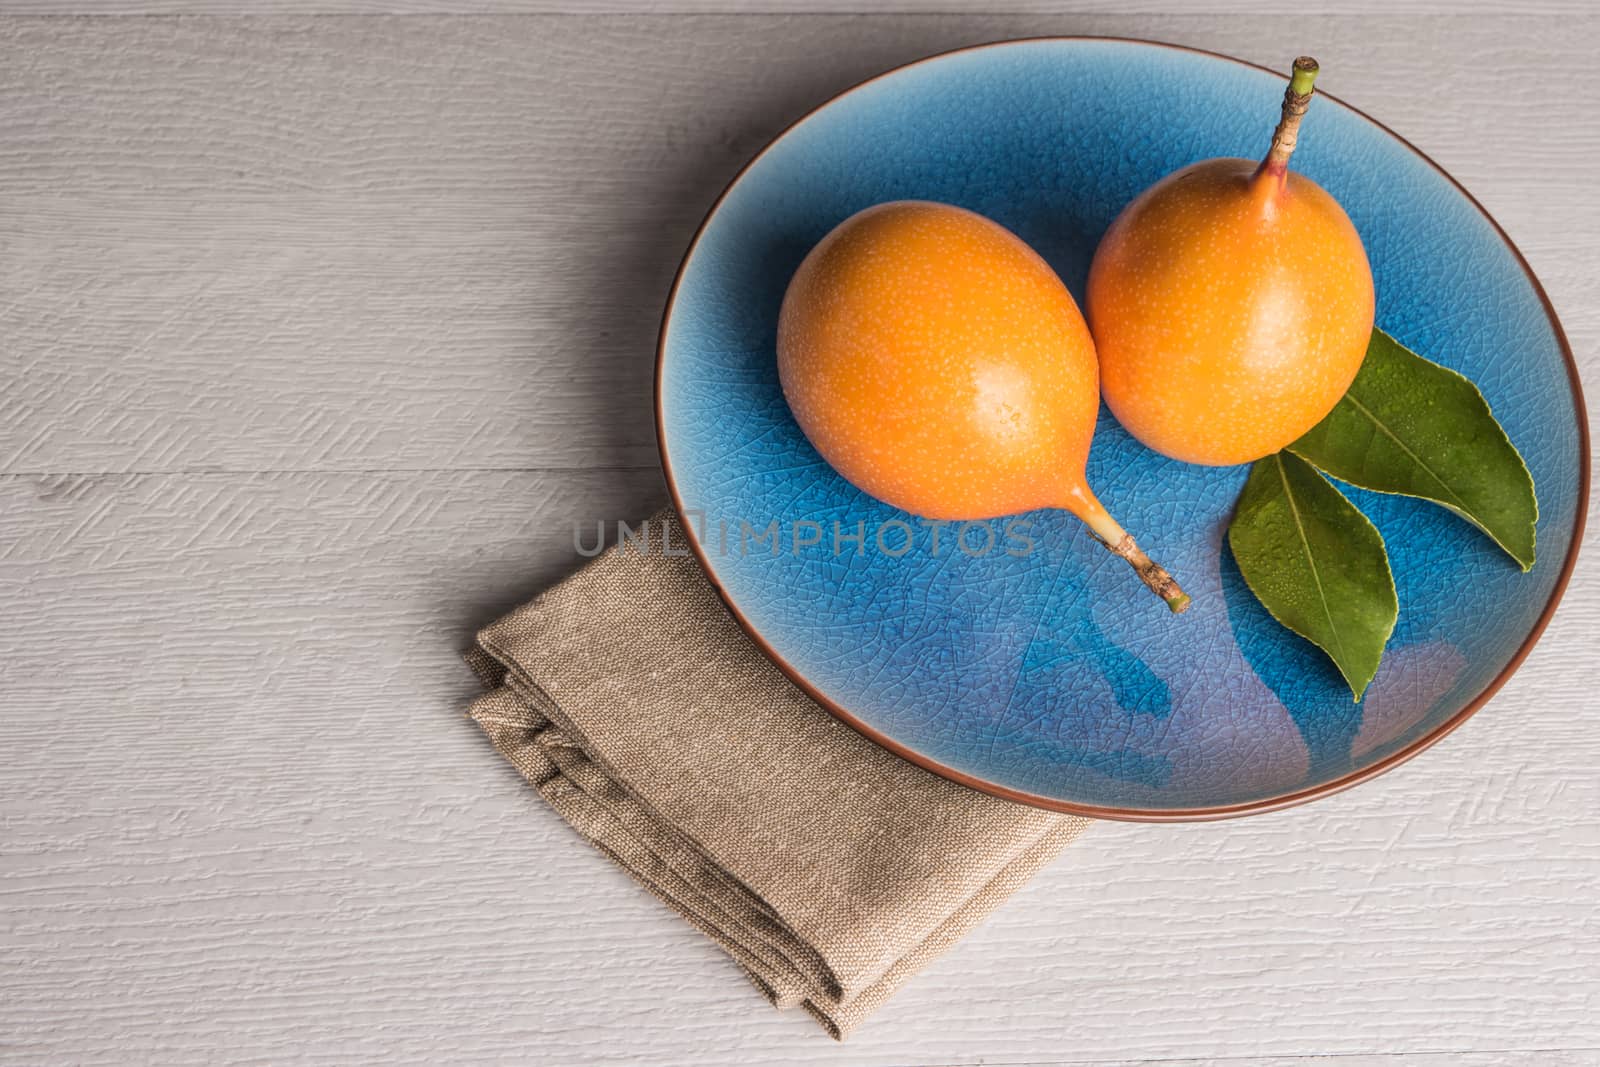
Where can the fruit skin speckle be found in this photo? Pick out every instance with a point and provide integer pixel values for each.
(1231, 308)
(938, 363)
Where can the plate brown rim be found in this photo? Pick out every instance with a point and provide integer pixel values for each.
(1092, 811)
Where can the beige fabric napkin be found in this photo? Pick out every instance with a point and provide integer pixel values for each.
(829, 868)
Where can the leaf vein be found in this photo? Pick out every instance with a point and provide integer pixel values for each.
(1316, 576)
(1391, 435)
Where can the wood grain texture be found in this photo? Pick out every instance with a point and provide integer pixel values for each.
(317, 334)
(1201, 8)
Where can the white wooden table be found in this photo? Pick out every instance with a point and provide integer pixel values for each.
(317, 331)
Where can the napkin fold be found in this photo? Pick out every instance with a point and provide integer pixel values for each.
(829, 868)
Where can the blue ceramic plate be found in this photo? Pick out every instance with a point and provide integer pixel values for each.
(1050, 675)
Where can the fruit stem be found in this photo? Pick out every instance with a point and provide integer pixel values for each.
(1121, 543)
(1296, 98)
(1151, 573)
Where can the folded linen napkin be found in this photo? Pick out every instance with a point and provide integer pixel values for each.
(831, 869)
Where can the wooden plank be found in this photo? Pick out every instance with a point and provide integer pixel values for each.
(244, 821)
(607, 109)
(423, 243)
(1206, 8)
(311, 332)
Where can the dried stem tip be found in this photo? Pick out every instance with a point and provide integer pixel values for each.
(1151, 573)
(1296, 99)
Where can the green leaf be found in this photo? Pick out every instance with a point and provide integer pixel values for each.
(1410, 426)
(1316, 563)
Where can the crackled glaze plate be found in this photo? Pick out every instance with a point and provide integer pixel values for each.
(1049, 675)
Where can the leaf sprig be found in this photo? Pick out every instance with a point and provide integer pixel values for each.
(1406, 426)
